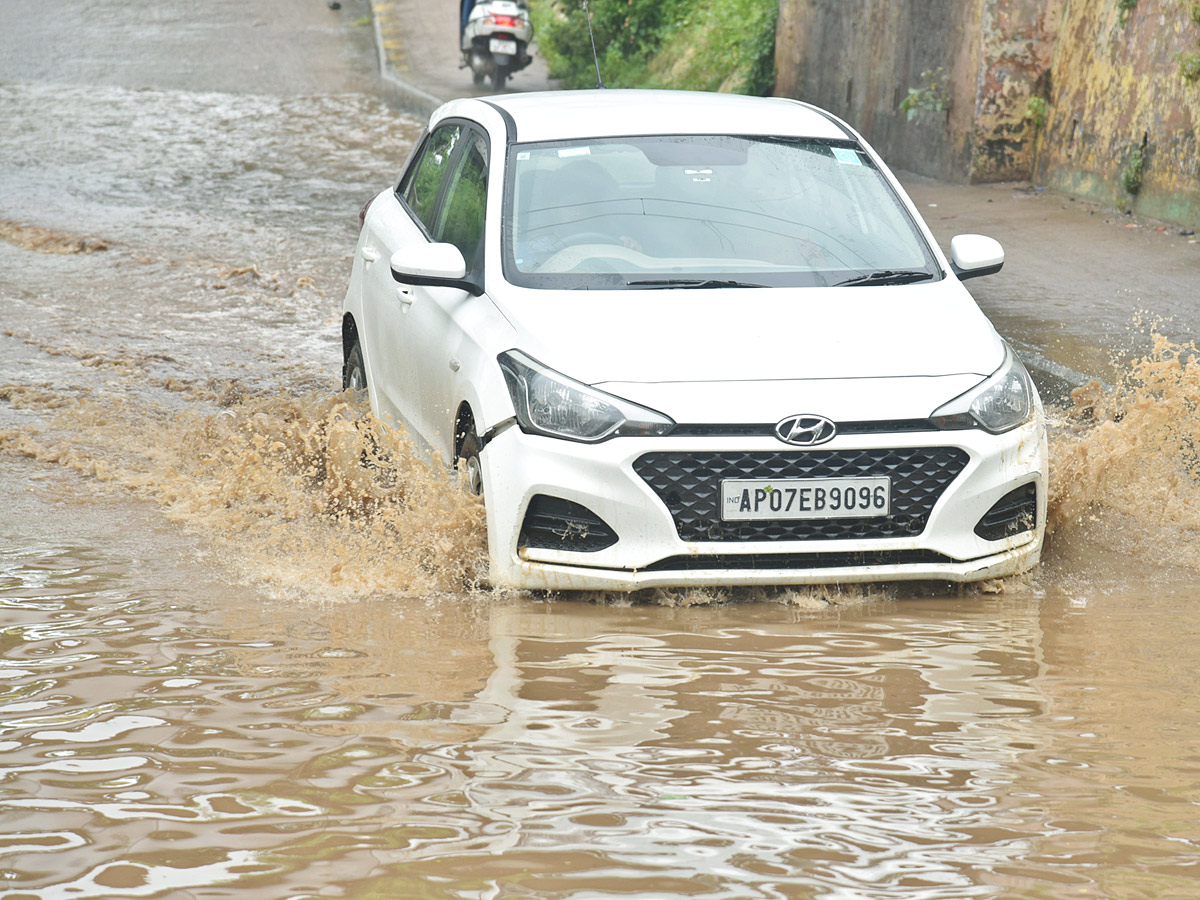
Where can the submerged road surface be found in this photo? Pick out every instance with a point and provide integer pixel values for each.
(239, 663)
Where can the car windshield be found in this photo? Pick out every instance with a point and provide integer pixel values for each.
(705, 211)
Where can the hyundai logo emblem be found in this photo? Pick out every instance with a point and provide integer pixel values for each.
(805, 431)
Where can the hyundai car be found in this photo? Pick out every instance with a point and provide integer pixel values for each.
(682, 339)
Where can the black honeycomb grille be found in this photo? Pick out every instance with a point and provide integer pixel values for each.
(690, 485)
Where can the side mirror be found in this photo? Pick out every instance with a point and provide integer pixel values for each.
(972, 255)
(433, 265)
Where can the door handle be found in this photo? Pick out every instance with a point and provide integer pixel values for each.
(370, 254)
(405, 295)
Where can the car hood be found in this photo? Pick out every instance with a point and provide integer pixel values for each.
(657, 336)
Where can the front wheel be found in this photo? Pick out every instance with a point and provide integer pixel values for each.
(472, 467)
(354, 371)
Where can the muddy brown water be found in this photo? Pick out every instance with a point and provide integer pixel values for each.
(237, 663)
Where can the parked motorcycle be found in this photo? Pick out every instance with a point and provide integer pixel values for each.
(495, 40)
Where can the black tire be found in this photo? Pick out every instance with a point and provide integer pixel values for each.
(477, 77)
(354, 371)
(472, 467)
(499, 76)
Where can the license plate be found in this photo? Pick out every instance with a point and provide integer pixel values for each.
(499, 45)
(805, 498)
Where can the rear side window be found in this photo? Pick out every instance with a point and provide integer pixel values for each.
(428, 175)
(461, 220)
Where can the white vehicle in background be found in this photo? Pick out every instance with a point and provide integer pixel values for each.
(495, 41)
(693, 339)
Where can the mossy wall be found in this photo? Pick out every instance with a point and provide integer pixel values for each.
(1071, 93)
(1119, 95)
(858, 60)
(862, 60)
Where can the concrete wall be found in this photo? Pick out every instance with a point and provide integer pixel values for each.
(1116, 88)
(1109, 87)
(857, 59)
(1016, 42)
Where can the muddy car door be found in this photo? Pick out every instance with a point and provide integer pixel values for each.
(406, 218)
(436, 313)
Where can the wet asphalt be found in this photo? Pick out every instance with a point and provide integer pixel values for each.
(1076, 278)
(213, 687)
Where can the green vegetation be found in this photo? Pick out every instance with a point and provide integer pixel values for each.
(1131, 175)
(1189, 63)
(722, 45)
(931, 96)
(1189, 66)
(1126, 8)
(1035, 111)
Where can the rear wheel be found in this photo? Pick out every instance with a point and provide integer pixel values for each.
(499, 76)
(354, 372)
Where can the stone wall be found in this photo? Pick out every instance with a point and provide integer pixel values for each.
(1016, 42)
(1118, 93)
(857, 59)
(860, 59)
(1103, 85)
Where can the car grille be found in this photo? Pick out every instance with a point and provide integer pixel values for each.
(690, 485)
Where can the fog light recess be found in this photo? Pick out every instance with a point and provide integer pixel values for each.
(552, 523)
(1012, 514)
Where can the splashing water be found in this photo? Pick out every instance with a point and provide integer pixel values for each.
(298, 492)
(1123, 462)
(44, 240)
(306, 492)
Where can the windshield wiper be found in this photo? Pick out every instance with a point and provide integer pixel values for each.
(887, 276)
(691, 283)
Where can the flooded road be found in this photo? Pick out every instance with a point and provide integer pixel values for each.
(239, 663)
(172, 741)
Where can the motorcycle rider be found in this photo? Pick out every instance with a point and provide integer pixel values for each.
(467, 6)
(494, 36)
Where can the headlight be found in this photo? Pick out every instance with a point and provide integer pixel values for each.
(1000, 403)
(552, 404)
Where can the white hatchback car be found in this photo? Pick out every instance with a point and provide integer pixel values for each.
(693, 339)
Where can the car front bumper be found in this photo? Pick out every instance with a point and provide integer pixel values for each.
(656, 515)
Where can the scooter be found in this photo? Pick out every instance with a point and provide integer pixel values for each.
(495, 41)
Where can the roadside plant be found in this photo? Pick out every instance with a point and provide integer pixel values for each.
(1035, 111)
(1189, 63)
(1189, 66)
(675, 44)
(1131, 175)
(931, 96)
(1126, 8)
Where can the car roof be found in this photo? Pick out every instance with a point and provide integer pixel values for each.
(572, 115)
